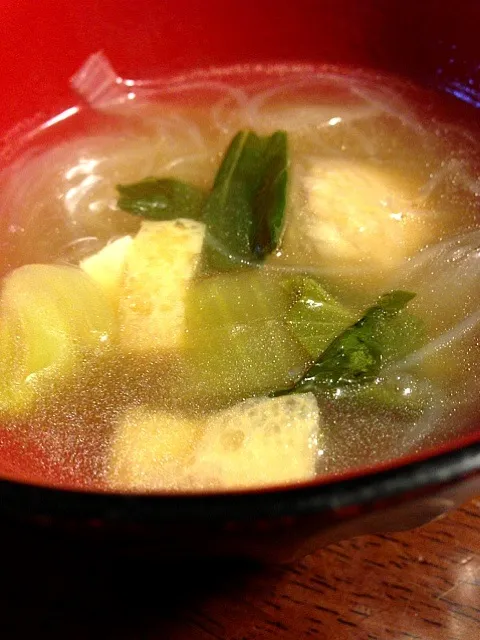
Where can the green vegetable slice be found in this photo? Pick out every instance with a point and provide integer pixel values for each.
(357, 354)
(316, 317)
(244, 213)
(161, 199)
(51, 316)
(238, 344)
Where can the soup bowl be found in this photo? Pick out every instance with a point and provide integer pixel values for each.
(43, 44)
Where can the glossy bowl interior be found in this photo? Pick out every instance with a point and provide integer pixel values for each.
(433, 43)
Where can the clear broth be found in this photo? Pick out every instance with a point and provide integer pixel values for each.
(58, 205)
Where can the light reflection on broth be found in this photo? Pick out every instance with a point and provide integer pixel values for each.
(394, 190)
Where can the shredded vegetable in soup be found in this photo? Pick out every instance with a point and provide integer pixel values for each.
(239, 278)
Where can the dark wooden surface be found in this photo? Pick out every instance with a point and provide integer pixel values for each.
(423, 584)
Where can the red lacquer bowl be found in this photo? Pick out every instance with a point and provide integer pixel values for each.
(41, 45)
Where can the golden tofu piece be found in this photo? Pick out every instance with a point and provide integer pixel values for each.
(107, 265)
(160, 263)
(259, 442)
(149, 449)
(353, 214)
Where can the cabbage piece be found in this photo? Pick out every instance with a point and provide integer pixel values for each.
(237, 342)
(51, 317)
(316, 317)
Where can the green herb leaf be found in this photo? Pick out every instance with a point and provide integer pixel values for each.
(271, 198)
(245, 211)
(315, 317)
(161, 199)
(357, 354)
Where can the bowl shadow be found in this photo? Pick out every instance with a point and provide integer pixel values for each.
(57, 589)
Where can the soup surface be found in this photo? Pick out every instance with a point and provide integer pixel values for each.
(238, 278)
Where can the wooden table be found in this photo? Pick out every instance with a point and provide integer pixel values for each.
(423, 585)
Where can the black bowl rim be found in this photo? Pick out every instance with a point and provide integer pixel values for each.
(421, 476)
